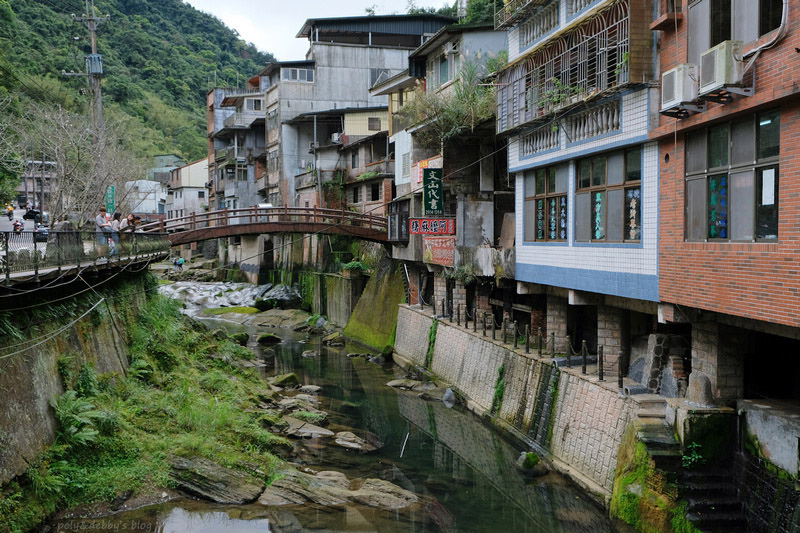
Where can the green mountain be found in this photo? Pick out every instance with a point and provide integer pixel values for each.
(159, 60)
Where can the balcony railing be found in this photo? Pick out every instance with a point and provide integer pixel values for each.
(513, 11)
(590, 60)
(598, 120)
(243, 119)
(543, 23)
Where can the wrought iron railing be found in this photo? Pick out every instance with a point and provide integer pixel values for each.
(512, 11)
(34, 253)
(570, 69)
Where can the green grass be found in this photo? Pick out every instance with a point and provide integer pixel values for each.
(183, 396)
(238, 309)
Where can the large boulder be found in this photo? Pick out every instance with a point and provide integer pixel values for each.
(284, 296)
(333, 488)
(208, 480)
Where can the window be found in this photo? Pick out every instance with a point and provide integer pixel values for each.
(255, 104)
(398, 220)
(546, 204)
(375, 192)
(714, 21)
(732, 180)
(272, 161)
(378, 74)
(201, 194)
(406, 165)
(444, 71)
(298, 74)
(608, 203)
(241, 172)
(272, 119)
(357, 194)
(354, 159)
(374, 124)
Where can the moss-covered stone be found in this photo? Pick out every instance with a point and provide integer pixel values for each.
(375, 317)
(642, 497)
(286, 380)
(716, 435)
(267, 339)
(240, 338)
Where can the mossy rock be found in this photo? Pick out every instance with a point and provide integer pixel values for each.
(268, 339)
(530, 465)
(240, 338)
(219, 334)
(286, 380)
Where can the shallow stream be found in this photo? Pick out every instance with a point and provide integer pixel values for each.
(464, 471)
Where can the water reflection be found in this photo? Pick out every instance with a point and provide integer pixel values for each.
(463, 471)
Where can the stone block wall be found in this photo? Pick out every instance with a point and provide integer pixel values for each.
(557, 321)
(589, 418)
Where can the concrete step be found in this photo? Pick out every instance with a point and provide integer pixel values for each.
(652, 413)
(658, 437)
(649, 401)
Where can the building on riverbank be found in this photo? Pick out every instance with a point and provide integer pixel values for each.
(575, 102)
(461, 265)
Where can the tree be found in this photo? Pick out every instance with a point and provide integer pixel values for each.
(87, 158)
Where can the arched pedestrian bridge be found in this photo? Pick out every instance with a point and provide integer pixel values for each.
(258, 220)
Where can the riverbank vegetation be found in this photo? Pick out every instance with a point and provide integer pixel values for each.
(183, 395)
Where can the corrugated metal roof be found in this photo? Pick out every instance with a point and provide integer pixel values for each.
(392, 24)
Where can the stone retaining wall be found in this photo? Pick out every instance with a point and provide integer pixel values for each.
(587, 422)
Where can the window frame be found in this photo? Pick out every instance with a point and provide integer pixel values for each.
(756, 166)
(598, 183)
(541, 204)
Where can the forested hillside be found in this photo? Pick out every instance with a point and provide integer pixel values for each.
(159, 59)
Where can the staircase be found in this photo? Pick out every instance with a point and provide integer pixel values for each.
(713, 501)
(714, 504)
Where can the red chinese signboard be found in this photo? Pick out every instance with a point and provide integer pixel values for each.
(431, 226)
(439, 250)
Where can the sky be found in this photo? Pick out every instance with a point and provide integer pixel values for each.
(272, 24)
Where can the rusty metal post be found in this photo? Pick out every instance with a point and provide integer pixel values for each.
(539, 340)
(619, 371)
(484, 323)
(527, 338)
(433, 306)
(493, 333)
(6, 238)
(569, 352)
(553, 344)
(505, 331)
(466, 317)
(516, 339)
(458, 314)
(584, 351)
(600, 363)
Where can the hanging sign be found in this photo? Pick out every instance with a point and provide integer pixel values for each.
(431, 226)
(432, 192)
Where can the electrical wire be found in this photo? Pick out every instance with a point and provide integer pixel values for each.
(55, 333)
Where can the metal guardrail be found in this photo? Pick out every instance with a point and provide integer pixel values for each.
(255, 215)
(35, 253)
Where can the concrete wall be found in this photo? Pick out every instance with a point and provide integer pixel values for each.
(341, 296)
(588, 419)
(30, 380)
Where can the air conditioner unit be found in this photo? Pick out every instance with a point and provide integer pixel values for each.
(679, 86)
(336, 138)
(721, 66)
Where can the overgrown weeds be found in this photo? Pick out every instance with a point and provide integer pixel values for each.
(183, 395)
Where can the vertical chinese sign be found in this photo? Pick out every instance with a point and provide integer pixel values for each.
(432, 193)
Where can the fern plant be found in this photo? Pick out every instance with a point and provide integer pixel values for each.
(76, 418)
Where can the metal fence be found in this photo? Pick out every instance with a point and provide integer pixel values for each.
(37, 252)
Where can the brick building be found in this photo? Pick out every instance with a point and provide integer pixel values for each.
(728, 231)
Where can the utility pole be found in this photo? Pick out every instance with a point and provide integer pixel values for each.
(94, 61)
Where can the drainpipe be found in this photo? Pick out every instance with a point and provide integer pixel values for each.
(316, 170)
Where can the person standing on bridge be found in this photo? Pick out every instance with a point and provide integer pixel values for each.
(103, 231)
(115, 227)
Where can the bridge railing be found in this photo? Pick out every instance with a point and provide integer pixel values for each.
(37, 251)
(255, 215)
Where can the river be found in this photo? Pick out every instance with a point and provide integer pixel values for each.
(463, 469)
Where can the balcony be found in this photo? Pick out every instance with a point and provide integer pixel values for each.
(608, 51)
(514, 11)
(224, 154)
(243, 120)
